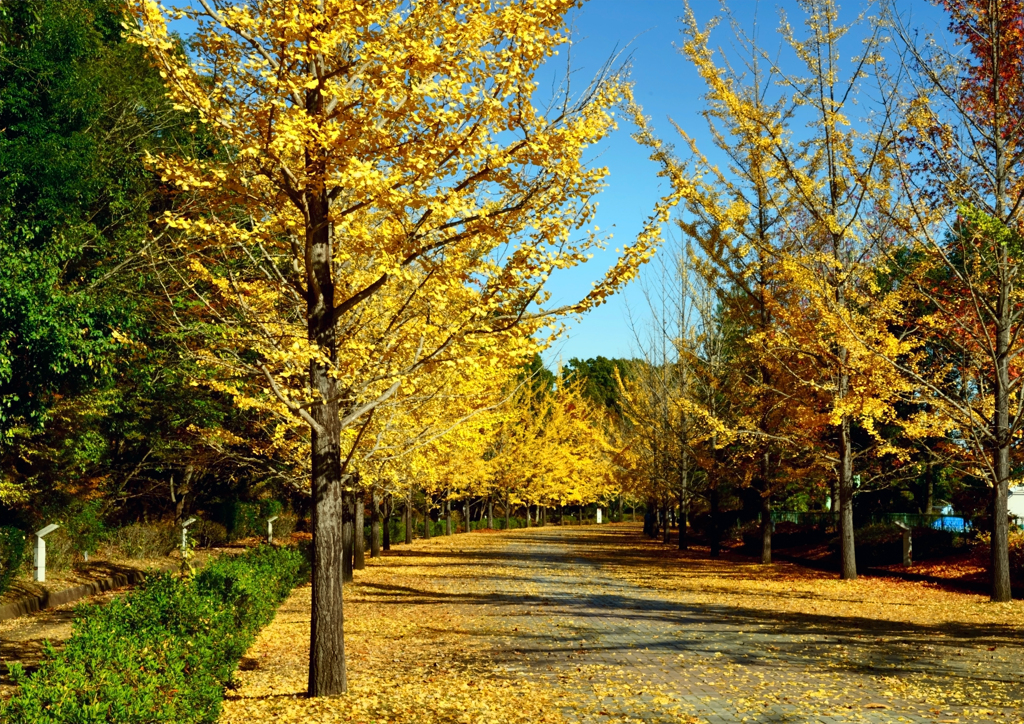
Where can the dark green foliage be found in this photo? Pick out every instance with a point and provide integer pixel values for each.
(96, 398)
(12, 553)
(244, 520)
(76, 107)
(541, 379)
(83, 523)
(598, 377)
(162, 653)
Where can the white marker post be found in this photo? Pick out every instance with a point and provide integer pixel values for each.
(41, 551)
(907, 546)
(184, 534)
(599, 516)
(270, 529)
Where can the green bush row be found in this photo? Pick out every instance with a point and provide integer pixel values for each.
(162, 653)
(12, 553)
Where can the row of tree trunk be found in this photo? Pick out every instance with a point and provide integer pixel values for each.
(382, 509)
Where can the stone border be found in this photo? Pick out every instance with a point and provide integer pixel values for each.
(33, 604)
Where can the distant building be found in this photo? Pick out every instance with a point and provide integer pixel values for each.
(1016, 503)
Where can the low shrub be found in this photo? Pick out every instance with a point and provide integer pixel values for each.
(285, 525)
(881, 544)
(13, 545)
(785, 535)
(61, 551)
(162, 653)
(145, 540)
(729, 524)
(83, 524)
(209, 534)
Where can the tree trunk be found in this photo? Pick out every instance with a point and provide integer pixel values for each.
(928, 506)
(426, 516)
(465, 515)
(359, 539)
(347, 535)
(716, 541)
(490, 513)
(1001, 590)
(1007, 272)
(389, 508)
(447, 517)
(764, 488)
(1001, 488)
(375, 523)
(508, 514)
(683, 544)
(847, 544)
(667, 532)
(684, 481)
(327, 676)
(327, 642)
(183, 491)
(408, 518)
(766, 528)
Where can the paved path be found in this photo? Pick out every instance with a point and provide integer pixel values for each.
(641, 654)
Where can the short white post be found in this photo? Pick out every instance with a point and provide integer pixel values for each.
(270, 529)
(599, 516)
(41, 551)
(184, 534)
(907, 545)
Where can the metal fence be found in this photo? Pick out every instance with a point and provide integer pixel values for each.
(952, 523)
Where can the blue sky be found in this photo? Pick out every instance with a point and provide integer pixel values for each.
(649, 30)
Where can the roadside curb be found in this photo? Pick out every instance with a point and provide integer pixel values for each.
(52, 599)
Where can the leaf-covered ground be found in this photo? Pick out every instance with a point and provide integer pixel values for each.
(599, 624)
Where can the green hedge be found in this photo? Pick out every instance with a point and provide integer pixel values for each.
(12, 554)
(162, 653)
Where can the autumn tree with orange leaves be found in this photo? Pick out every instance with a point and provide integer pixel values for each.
(962, 174)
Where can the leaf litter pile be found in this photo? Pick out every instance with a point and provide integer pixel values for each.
(600, 625)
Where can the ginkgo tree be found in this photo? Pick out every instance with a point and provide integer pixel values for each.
(961, 174)
(552, 447)
(385, 189)
(813, 208)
